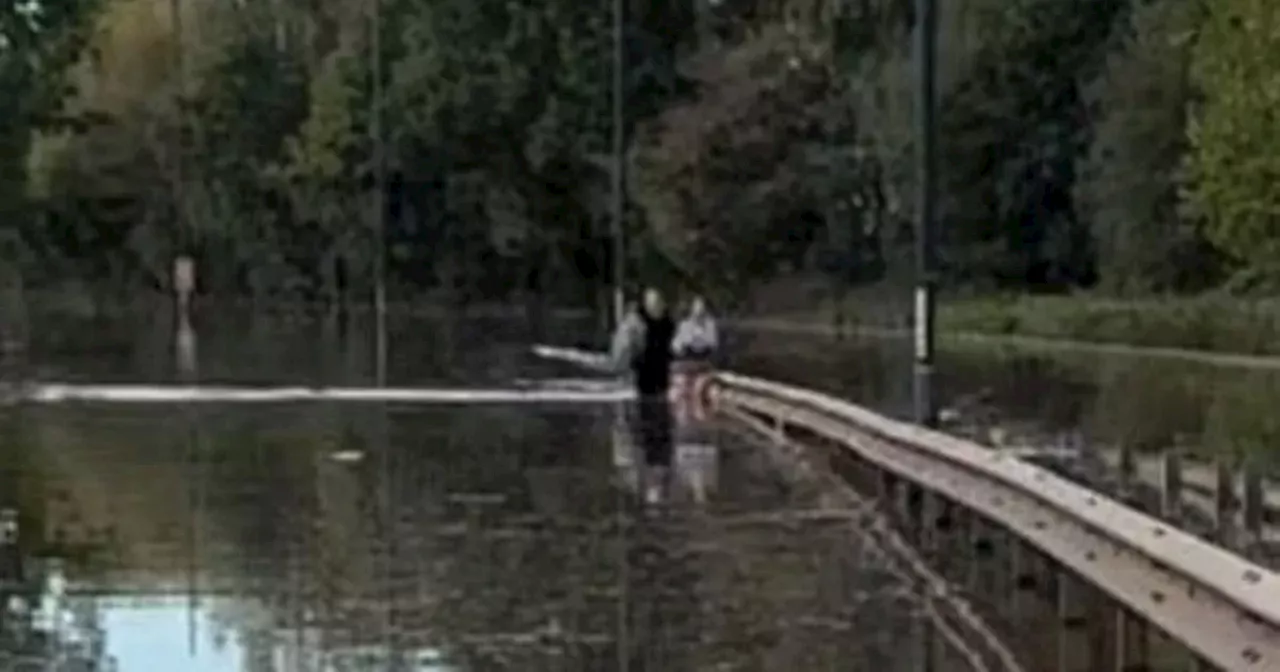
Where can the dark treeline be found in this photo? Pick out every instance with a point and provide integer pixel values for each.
(1118, 144)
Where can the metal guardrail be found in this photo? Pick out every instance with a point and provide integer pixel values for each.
(1221, 606)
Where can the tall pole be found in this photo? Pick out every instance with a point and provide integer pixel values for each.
(183, 222)
(619, 277)
(619, 157)
(185, 340)
(380, 309)
(379, 195)
(926, 37)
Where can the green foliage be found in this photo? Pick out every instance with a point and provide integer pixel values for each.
(722, 177)
(1014, 131)
(1129, 185)
(38, 42)
(1233, 164)
(767, 140)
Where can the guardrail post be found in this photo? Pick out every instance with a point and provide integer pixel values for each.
(1020, 579)
(1127, 470)
(779, 428)
(950, 541)
(1224, 504)
(972, 536)
(910, 498)
(897, 500)
(1071, 620)
(1252, 505)
(1003, 543)
(930, 512)
(1131, 642)
(884, 488)
(1171, 485)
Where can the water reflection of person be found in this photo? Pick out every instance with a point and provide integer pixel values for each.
(696, 459)
(695, 348)
(642, 345)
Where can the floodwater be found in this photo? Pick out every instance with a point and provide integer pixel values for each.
(1150, 403)
(1081, 406)
(324, 536)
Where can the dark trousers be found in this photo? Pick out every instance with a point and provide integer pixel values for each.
(653, 429)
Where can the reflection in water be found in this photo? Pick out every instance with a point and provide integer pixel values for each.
(661, 444)
(507, 550)
(477, 538)
(150, 633)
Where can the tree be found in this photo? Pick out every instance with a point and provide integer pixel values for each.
(722, 178)
(769, 138)
(1013, 133)
(1129, 187)
(1232, 168)
(38, 41)
(321, 177)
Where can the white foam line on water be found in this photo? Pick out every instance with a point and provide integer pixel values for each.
(51, 393)
(577, 384)
(592, 360)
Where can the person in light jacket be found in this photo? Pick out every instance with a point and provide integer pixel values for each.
(697, 337)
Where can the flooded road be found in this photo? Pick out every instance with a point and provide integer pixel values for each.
(327, 536)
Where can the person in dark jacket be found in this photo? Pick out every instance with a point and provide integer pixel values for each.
(642, 345)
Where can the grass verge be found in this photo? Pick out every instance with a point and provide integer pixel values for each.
(1211, 323)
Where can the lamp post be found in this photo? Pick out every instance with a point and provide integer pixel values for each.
(618, 196)
(926, 38)
(379, 206)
